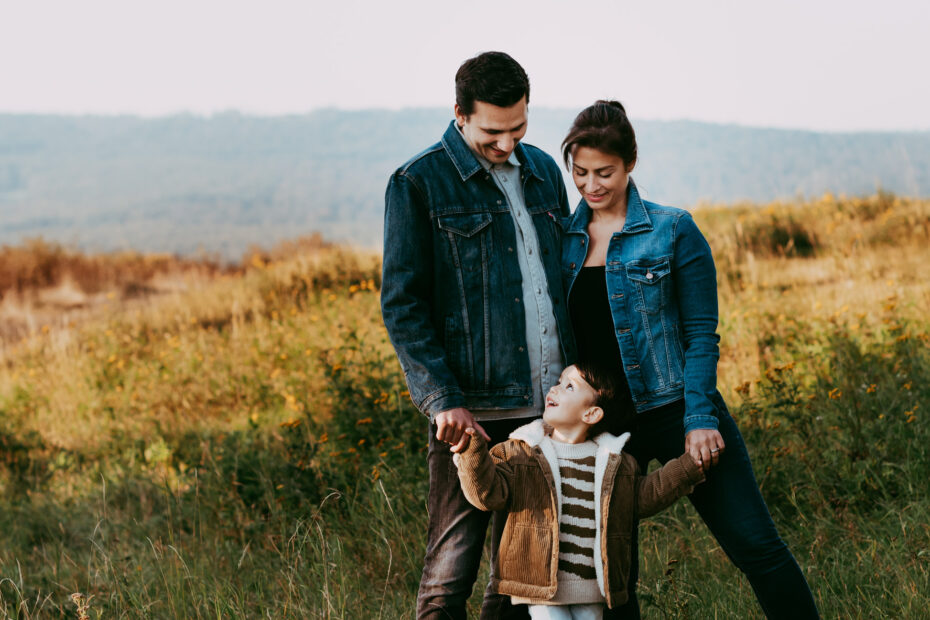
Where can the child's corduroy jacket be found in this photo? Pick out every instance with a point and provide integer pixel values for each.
(521, 476)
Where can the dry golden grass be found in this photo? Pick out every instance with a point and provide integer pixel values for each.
(241, 444)
(865, 253)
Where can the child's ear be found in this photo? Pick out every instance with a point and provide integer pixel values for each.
(593, 415)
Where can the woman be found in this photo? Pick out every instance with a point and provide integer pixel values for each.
(643, 298)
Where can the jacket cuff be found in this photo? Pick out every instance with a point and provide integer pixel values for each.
(442, 400)
(470, 457)
(700, 422)
(693, 472)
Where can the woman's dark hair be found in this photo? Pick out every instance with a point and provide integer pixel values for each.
(605, 127)
(492, 77)
(617, 417)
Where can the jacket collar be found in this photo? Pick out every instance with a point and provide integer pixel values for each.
(534, 433)
(637, 218)
(468, 165)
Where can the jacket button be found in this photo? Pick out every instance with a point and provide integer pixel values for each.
(498, 202)
(649, 276)
(516, 299)
(582, 242)
(572, 266)
(520, 349)
(510, 249)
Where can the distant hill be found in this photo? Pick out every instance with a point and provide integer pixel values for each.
(219, 184)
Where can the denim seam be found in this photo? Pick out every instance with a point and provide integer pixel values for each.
(665, 339)
(435, 149)
(486, 285)
(644, 316)
(413, 182)
(461, 282)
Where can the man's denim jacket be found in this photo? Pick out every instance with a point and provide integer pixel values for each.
(451, 288)
(662, 289)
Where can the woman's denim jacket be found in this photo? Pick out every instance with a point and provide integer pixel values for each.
(452, 286)
(662, 289)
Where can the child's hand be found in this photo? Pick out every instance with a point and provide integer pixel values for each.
(466, 439)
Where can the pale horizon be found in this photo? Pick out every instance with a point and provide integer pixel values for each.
(827, 66)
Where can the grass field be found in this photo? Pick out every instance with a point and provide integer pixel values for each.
(244, 445)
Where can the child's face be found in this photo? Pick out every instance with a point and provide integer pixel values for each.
(568, 402)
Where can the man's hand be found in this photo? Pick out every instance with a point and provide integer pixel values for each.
(452, 424)
(705, 446)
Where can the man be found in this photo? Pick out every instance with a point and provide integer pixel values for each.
(473, 302)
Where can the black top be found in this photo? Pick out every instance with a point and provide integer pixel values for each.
(593, 324)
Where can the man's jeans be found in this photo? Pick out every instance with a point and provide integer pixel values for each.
(731, 505)
(455, 538)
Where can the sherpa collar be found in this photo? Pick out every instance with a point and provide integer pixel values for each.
(534, 433)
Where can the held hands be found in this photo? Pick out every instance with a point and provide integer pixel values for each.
(452, 427)
(705, 446)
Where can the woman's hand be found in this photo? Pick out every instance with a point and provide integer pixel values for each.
(705, 446)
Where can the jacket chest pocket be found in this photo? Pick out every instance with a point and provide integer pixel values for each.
(650, 284)
(469, 238)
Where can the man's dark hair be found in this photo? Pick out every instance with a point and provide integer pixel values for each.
(492, 77)
(617, 417)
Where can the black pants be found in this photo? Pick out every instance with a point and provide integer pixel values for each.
(731, 505)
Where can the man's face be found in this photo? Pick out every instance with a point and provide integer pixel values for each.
(492, 131)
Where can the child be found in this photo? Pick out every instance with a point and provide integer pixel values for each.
(572, 499)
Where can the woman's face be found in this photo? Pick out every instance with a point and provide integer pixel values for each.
(601, 178)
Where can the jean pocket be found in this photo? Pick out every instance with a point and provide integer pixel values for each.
(650, 282)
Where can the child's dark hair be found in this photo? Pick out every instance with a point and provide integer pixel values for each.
(492, 77)
(604, 127)
(617, 417)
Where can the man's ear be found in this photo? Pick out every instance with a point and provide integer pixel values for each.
(593, 415)
(460, 118)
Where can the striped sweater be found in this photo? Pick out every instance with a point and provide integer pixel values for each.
(577, 576)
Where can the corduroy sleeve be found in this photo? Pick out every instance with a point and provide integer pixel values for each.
(486, 477)
(660, 489)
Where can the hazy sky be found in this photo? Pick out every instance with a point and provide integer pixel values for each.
(831, 65)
